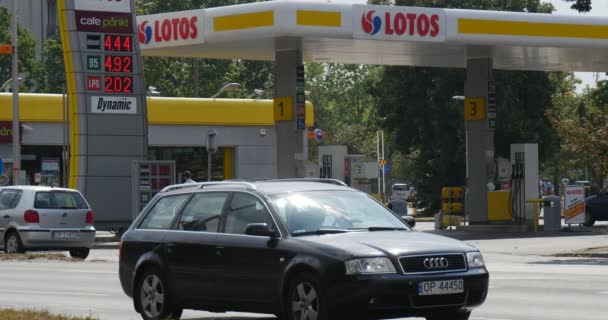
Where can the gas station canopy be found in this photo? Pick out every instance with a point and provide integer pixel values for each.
(387, 35)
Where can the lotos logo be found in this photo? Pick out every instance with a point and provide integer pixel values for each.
(401, 23)
(144, 32)
(371, 25)
(168, 29)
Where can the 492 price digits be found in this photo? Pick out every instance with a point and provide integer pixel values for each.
(118, 64)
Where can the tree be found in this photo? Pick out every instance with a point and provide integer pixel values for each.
(427, 125)
(580, 5)
(29, 65)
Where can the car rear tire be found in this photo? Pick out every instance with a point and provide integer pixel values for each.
(152, 298)
(305, 299)
(454, 315)
(589, 220)
(80, 253)
(13, 244)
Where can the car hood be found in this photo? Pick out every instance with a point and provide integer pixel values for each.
(395, 243)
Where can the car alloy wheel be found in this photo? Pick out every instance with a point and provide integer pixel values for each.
(13, 244)
(152, 296)
(304, 302)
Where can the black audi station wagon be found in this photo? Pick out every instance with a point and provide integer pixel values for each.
(310, 249)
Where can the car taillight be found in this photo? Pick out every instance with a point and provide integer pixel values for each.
(90, 217)
(31, 216)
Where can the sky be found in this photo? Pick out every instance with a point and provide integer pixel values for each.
(599, 8)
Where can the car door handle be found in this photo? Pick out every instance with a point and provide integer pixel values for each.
(219, 251)
(170, 247)
(7, 216)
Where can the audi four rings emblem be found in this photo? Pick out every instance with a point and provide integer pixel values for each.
(436, 263)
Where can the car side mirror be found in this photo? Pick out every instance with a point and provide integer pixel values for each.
(409, 220)
(259, 229)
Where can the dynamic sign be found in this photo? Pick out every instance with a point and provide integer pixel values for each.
(170, 29)
(93, 21)
(108, 104)
(398, 23)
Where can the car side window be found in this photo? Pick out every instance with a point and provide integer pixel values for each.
(203, 212)
(243, 210)
(9, 198)
(164, 212)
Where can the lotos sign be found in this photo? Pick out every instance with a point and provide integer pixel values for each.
(170, 29)
(398, 23)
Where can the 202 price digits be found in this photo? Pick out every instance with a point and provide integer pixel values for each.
(118, 84)
(118, 64)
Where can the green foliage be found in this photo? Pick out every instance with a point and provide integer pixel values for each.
(580, 5)
(29, 65)
(52, 51)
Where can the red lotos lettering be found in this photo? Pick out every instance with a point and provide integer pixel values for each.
(423, 25)
(193, 29)
(387, 24)
(412, 18)
(400, 23)
(434, 25)
(166, 30)
(175, 23)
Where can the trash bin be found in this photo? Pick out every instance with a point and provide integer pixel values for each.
(552, 213)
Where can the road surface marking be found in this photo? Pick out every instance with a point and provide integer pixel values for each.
(483, 318)
(56, 292)
(603, 292)
(59, 270)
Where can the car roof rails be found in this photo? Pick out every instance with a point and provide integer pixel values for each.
(322, 180)
(201, 185)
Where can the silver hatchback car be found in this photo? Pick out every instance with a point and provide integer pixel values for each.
(45, 218)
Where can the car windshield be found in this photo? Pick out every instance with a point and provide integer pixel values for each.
(400, 187)
(330, 212)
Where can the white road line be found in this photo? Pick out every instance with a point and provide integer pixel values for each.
(60, 270)
(483, 318)
(494, 287)
(56, 292)
(603, 292)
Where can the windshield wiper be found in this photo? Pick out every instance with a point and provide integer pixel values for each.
(318, 231)
(380, 229)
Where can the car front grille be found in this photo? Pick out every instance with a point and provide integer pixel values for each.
(416, 264)
(438, 300)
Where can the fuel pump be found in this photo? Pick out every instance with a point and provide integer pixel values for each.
(524, 182)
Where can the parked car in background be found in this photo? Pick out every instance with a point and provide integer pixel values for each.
(596, 208)
(401, 191)
(45, 218)
(296, 248)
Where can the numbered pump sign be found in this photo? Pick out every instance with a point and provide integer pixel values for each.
(574, 204)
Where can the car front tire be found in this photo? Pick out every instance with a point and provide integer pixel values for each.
(454, 315)
(152, 298)
(589, 220)
(13, 244)
(305, 299)
(80, 253)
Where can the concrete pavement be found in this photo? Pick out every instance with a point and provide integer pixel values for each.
(527, 282)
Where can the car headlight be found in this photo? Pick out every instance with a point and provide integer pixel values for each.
(369, 265)
(475, 259)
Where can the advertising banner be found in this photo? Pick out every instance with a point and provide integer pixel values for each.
(97, 21)
(574, 204)
(104, 5)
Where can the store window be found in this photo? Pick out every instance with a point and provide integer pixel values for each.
(193, 159)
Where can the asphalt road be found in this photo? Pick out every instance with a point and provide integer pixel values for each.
(526, 283)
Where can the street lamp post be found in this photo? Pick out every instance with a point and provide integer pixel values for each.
(229, 86)
(16, 139)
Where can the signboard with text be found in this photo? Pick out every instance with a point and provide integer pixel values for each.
(104, 5)
(574, 204)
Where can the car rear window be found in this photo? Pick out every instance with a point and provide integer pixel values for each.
(59, 200)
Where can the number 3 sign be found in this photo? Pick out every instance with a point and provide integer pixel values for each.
(475, 109)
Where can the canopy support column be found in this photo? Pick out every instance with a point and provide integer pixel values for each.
(290, 146)
(479, 136)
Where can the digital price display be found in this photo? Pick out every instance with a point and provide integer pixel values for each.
(118, 84)
(117, 43)
(118, 64)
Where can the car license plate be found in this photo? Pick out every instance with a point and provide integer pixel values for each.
(426, 288)
(65, 235)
